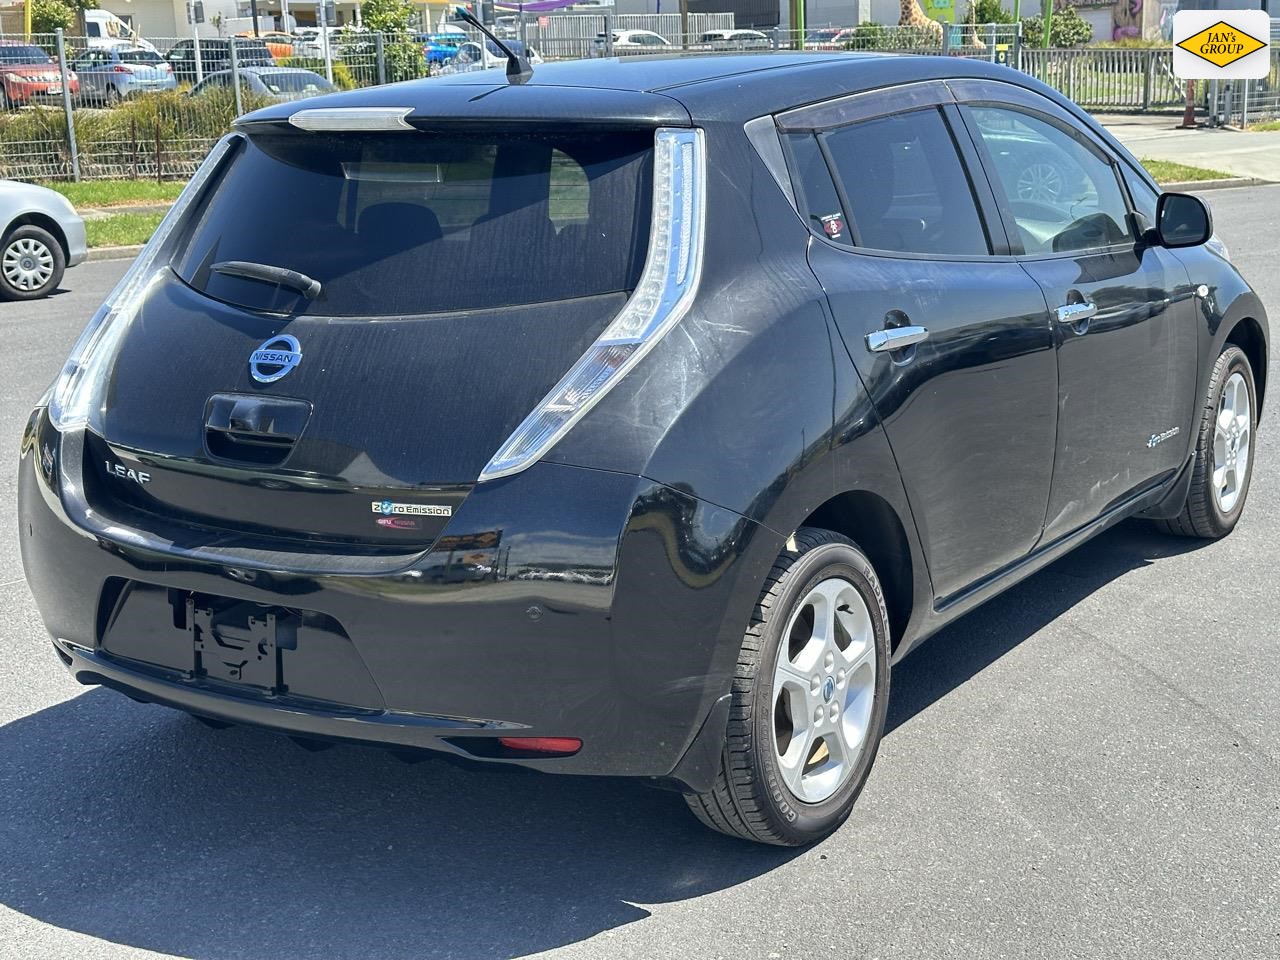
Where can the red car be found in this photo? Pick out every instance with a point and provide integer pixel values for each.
(29, 74)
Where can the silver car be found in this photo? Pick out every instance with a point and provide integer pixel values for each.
(42, 236)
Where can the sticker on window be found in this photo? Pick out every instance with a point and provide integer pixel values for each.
(833, 225)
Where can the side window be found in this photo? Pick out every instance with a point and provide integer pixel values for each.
(818, 195)
(906, 186)
(1062, 195)
(1143, 195)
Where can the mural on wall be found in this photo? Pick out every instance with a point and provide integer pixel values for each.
(1126, 20)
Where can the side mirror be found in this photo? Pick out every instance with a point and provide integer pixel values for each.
(1182, 220)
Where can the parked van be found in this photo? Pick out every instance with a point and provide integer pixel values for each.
(106, 31)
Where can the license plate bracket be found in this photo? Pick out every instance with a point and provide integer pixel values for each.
(241, 642)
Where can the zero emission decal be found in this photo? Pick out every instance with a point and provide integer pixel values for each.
(1221, 44)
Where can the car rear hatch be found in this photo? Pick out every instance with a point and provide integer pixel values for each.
(461, 271)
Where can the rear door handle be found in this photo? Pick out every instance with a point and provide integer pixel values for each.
(1074, 313)
(895, 338)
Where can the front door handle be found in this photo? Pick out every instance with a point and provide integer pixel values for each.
(1076, 313)
(895, 338)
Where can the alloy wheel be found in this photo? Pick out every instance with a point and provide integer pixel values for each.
(1232, 436)
(824, 686)
(27, 264)
(1041, 182)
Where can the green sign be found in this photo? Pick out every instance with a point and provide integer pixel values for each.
(944, 10)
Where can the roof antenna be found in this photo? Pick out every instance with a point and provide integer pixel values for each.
(519, 70)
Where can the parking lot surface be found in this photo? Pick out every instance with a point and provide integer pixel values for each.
(1085, 767)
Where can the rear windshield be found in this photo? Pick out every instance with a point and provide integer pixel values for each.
(419, 223)
(140, 56)
(23, 54)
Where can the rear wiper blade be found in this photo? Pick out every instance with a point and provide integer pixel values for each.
(267, 273)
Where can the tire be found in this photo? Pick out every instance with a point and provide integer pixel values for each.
(755, 796)
(31, 263)
(1209, 512)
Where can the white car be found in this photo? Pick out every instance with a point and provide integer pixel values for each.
(40, 236)
(307, 42)
(630, 41)
(734, 40)
(472, 56)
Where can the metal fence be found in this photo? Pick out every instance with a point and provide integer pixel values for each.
(1103, 78)
(79, 112)
(1245, 102)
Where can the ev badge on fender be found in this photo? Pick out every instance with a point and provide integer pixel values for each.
(275, 358)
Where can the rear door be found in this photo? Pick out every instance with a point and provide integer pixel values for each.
(1125, 321)
(951, 337)
(457, 277)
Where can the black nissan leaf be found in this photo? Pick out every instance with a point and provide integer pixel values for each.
(631, 418)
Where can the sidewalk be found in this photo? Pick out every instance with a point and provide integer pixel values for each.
(1243, 154)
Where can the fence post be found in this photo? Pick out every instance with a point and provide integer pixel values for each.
(946, 41)
(235, 75)
(1015, 61)
(1147, 79)
(66, 105)
(608, 35)
(773, 33)
(381, 50)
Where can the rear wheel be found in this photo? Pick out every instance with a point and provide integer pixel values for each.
(31, 263)
(809, 698)
(1223, 462)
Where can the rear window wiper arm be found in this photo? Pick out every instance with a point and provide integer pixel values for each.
(267, 273)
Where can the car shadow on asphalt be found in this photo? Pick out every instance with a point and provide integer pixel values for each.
(137, 825)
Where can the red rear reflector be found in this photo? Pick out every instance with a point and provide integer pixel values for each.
(542, 744)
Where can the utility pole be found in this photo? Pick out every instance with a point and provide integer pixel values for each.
(253, 13)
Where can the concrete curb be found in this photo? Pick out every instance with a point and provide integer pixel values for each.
(102, 213)
(115, 253)
(1191, 186)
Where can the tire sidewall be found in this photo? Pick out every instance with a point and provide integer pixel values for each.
(10, 292)
(1233, 361)
(798, 820)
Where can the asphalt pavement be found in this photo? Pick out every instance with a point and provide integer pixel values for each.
(1085, 767)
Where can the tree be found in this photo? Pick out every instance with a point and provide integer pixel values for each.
(395, 20)
(991, 11)
(50, 15)
(1068, 29)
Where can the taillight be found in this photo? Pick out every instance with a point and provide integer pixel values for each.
(121, 68)
(662, 297)
(558, 745)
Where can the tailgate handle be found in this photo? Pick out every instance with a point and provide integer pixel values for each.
(253, 429)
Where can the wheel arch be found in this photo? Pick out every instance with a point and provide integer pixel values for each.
(1247, 334)
(871, 522)
(44, 222)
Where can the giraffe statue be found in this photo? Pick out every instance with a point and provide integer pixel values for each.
(913, 16)
(971, 38)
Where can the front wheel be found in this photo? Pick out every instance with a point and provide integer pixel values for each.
(31, 263)
(1223, 463)
(809, 698)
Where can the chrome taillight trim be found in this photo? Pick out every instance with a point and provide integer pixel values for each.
(667, 287)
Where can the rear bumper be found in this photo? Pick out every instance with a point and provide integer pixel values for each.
(607, 608)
